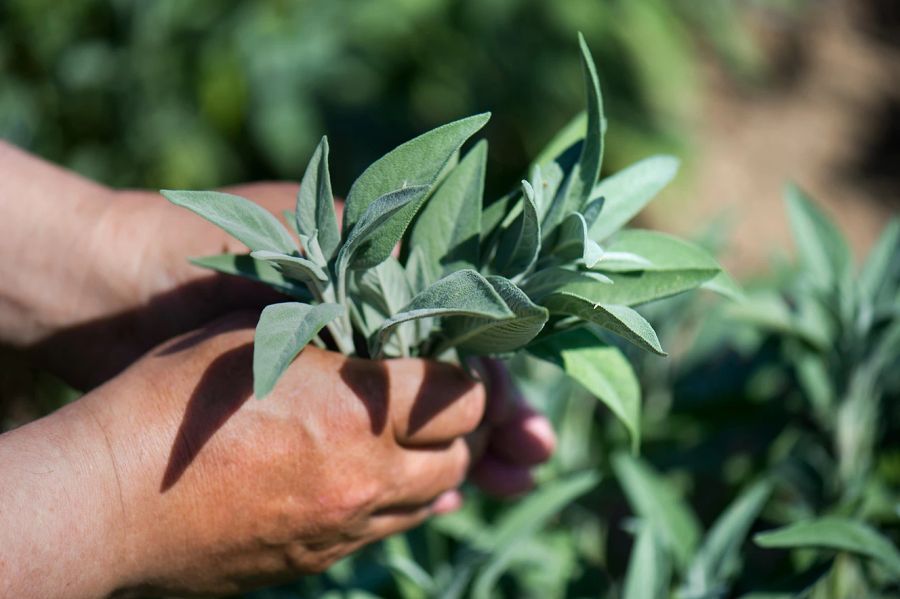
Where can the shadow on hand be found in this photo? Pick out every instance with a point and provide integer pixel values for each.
(224, 387)
(370, 381)
(90, 353)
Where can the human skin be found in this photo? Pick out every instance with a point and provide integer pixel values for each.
(93, 279)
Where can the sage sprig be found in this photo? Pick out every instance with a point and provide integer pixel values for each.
(475, 277)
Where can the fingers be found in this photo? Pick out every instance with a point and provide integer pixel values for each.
(432, 402)
(500, 478)
(525, 439)
(423, 474)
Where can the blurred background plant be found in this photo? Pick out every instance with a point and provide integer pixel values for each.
(772, 412)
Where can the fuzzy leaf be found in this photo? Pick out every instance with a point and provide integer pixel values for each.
(573, 242)
(629, 190)
(417, 162)
(486, 336)
(580, 188)
(599, 368)
(448, 229)
(876, 271)
(717, 559)
(821, 247)
(523, 521)
(315, 203)
(520, 244)
(283, 331)
(649, 567)
(243, 265)
(565, 138)
(249, 223)
(292, 267)
(651, 497)
(838, 534)
(621, 320)
(464, 292)
(372, 226)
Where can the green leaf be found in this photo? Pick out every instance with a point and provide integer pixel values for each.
(520, 244)
(523, 521)
(573, 242)
(661, 251)
(601, 369)
(464, 292)
(821, 247)
(243, 265)
(386, 289)
(247, 222)
(417, 162)
(838, 534)
(876, 271)
(372, 225)
(315, 216)
(283, 331)
(292, 267)
(629, 190)
(489, 336)
(448, 229)
(585, 177)
(649, 568)
(621, 320)
(717, 559)
(656, 502)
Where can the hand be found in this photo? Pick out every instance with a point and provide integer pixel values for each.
(188, 485)
(140, 287)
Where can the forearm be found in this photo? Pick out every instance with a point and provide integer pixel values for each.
(47, 216)
(60, 531)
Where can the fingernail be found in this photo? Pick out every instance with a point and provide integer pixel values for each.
(541, 430)
(448, 501)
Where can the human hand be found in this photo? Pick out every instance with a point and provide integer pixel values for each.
(191, 486)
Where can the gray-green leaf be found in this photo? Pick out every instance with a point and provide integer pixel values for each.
(243, 265)
(599, 368)
(629, 190)
(417, 162)
(282, 332)
(838, 534)
(573, 242)
(621, 320)
(293, 267)
(464, 292)
(649, 568)
(655, 501)
(520, 244)
(249, 223)
(820, 245)
(448, 229)
(315, 202)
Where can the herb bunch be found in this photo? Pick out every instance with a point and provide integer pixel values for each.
(544, 268)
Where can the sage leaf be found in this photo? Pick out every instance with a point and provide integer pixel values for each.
(571, 133)
(573, 242)
(249, 223)
(838, 534)
(416, 163)
(649, 567)
(447, 230)
(490, 336)
(651, 497)
(621, 320)
(876, 271)
(293, 267)
(464, 292)
(520, 244)
(629, 190)
(315, 214)
(282, 332)
(602, 370)
(243, 265)
(372, 226)
(524, 521)
(585, 176)
(717, 559)
(822, 249)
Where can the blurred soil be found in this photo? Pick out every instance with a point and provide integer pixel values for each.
(828, 118)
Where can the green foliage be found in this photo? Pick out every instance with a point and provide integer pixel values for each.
(504, 281)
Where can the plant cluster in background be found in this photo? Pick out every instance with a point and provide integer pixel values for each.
(201, 94)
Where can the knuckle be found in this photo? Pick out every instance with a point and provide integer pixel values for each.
(472, 408)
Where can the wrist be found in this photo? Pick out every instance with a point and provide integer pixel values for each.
(47, 222)
(58, 506)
